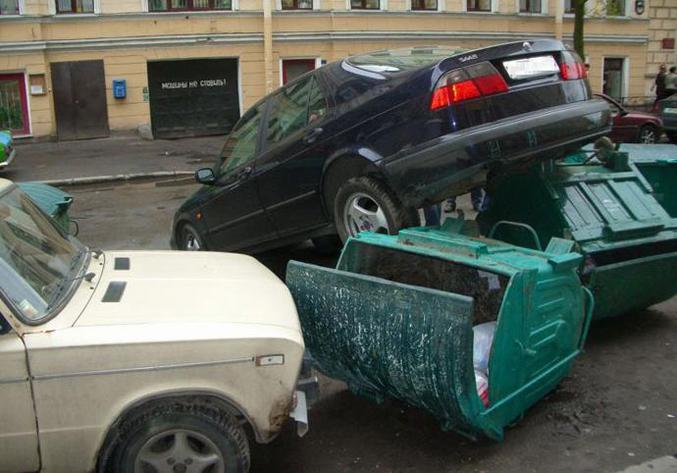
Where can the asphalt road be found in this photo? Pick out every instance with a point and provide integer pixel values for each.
(618, 408)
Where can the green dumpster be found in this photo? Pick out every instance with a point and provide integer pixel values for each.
(54, 202)
(628, 240)
(658, 165)
(395, 319)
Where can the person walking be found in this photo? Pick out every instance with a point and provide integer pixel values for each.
(659, 83)
(671, 82)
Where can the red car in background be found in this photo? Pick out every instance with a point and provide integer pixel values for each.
(631, 126)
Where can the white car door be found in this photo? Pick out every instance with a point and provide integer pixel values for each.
(18, 432)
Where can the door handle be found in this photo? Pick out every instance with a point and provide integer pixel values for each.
(312, 135)
(244, 173)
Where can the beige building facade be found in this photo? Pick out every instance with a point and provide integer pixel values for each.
(81, 68)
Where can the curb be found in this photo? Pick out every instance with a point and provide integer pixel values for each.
(75, 181)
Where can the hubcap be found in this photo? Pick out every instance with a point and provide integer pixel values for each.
(363, 214)
(192, 242)
(648, 137)
(179, 451)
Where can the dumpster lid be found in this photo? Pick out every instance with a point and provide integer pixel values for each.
(641, 153)
(604, 210)
(447, 242)
(50, 199)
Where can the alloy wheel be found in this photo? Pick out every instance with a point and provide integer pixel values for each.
(191, 241)
(647, 136)
(179, 451)
(362, 213)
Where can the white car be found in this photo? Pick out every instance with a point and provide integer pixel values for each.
(137, 362)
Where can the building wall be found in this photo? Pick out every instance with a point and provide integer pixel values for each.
(126, 37)
(663, 24)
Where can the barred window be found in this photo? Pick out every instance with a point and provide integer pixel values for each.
(530, 6)
(424, 5)
(297, 4)
(9, 7)
(479, 5)
(365, 4)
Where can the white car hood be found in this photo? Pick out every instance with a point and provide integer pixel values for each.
(170, 287)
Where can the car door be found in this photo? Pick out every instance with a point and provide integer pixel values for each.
(18, 428)
(234, 214)
(295, 149)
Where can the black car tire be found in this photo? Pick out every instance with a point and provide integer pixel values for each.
(394, 216)
(153, 433)
(327, 245)
(646, 131)
(190, 239)
(672, 136)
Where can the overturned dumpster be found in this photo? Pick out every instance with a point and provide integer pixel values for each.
(395, 319)
(609, 209)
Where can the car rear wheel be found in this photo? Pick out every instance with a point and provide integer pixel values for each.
(190, 239)
(648, 134)
(176, 437)
(365, 204)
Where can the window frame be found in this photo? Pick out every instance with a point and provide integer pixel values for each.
(572, 10)
(19, 10)
(437, 6)
(624, 6)
(296, 7)
(540, 11)
(189, 7)
(57, 11)
(363, 8)
(477, 10)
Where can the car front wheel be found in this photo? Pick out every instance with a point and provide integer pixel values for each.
(365, 204)
(648, 134)
(181, 438)
(190, 239)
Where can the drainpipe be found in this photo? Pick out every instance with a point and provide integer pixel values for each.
(268, 44)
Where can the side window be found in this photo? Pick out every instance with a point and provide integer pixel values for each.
(240, 146)
(317, 104)
(288, 111)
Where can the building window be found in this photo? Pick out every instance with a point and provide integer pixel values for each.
(184, 5)
(530, 6)
(615, 7)
(365, 4)
(75, 6)
(613, 78)
(297, 4)
(569, 7)
(479, 5)
(293, 68)
(9, 7)
(417, 5)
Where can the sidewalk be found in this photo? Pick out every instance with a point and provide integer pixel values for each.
(120, 154)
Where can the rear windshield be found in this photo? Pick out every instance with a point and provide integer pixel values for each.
(396, 60)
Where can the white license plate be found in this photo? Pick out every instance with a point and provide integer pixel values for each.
(531, 67)
(670, 111)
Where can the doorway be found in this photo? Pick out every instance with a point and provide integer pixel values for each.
(613, 78)
(14, 104)
(80, 100)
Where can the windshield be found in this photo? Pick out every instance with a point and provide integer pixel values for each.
(37, 262)
(395, 60)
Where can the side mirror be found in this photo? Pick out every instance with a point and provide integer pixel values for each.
(205, 176)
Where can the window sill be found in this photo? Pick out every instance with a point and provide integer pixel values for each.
(527, 14)
(10, 16)
(424, 11)
(76, 15)
(480, 12)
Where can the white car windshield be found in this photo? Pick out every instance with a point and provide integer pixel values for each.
(38, 263)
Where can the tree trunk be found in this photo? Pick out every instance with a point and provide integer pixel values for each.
(579, 18)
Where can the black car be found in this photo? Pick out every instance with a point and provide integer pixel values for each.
(362, 143)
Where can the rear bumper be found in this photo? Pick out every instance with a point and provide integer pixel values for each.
(9, 160)
(457, 162)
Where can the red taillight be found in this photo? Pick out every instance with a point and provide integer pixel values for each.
(572, 67)
(454, 93)
(491, 84)
(458, 87)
